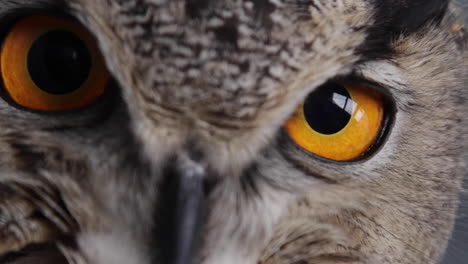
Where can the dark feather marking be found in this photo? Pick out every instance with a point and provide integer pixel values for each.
(195, 8)
(263, 11)
(35, 254)
(228, 33)
(396, 17)
(408, 15)
(248, 181)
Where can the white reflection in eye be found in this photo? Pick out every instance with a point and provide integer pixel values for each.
(360, 113)
(344, 102)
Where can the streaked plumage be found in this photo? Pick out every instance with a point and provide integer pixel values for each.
(203, 87)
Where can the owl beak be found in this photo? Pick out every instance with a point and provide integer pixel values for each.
(184, 214)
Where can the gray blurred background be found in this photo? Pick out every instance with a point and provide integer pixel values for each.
(457, 252)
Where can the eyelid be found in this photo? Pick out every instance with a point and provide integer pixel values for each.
(382, 88)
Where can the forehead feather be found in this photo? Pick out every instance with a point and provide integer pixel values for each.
(238, 58)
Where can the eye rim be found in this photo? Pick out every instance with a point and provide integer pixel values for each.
(12, 19)
(388, 121)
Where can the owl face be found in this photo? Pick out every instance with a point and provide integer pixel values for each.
(203, 131)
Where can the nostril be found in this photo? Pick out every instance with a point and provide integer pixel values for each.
(194, 151)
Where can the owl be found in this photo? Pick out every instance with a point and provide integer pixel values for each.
(230, 131)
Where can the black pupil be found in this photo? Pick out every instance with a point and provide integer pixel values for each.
(59, 62)
(329, 109)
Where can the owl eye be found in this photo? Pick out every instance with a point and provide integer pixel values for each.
(52, 64)
(338, 122)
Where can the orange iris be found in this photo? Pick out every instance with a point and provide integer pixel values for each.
(52, 64)
(338, 125)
